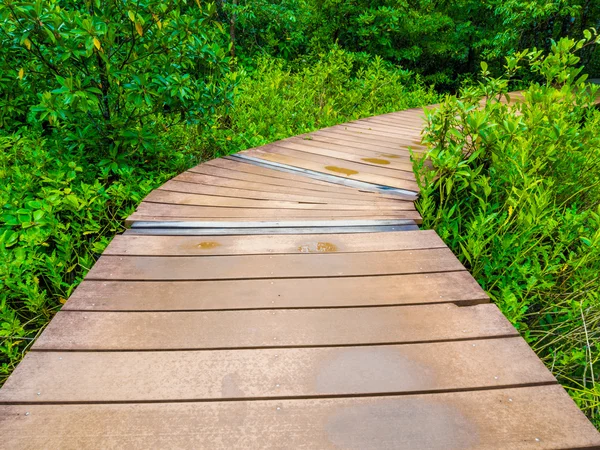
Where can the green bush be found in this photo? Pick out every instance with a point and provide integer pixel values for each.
(514, 190)
(279, 100)
(101, 73)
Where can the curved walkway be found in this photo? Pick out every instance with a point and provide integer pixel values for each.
(284, 297)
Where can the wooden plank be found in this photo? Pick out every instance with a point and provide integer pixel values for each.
(220, 191)
(391, 122)
(349, 163)
(398, 132)
(372, 136)
(258, 231)
(334, 179)
(334, 169)
(194, 330)
(274, 266)
(272, 244)
(237, 166)
(399, 155)
(80, 377)
(368, 136)
(380, 165)
(456, 287)
(255, 214)
(191, 177)
(359, 140)
(365, 144)
(180, 198)
(411, 131)
(206, 169)
(398, 121)
(540, 417)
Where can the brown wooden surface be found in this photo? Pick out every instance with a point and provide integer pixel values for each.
(274, 266)
(168, 197)
(272, 244)
(205, 327)
(274, 373)
(193, 330)
(456, 287)
(525, 418)
(253, 214)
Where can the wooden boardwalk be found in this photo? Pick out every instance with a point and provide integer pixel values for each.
(284, 297)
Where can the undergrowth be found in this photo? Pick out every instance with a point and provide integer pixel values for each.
(515, 193)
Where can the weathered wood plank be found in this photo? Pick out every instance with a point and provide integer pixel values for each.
(307, 197)
(298, 143)
(390, 167)
(274, 266)
(350, 193)
(272, 244)
(255, 214)
(334, 169)
(191, 330)
(360, 140)
(457, 287)
(541, 417)
(169, 197)
(352, 144)
(236, 166)
(67, 377)
(334, 179)
(206, 169)
(367, 136)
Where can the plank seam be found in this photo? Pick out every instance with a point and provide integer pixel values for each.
(266, 347)
(459, 303)
(299, 397)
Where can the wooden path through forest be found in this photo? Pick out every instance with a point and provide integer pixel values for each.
(284, 297)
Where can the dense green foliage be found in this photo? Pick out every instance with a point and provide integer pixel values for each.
(442, 40)
(515, 192)
(103, 100)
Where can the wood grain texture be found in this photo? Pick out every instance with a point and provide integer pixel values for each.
(541, 417)
(191, 330)
(162, 196)
(333, 168)
(391, 168)
(274, 213)
(306, 197)
(272, 244)
(299, 143)
(274, 266)
(456, 287)
(67, 377)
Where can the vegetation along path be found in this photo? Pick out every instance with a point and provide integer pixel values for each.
(284, 297)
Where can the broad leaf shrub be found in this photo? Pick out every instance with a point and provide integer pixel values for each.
(101, 72)
(60, 208)
(514, 190)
